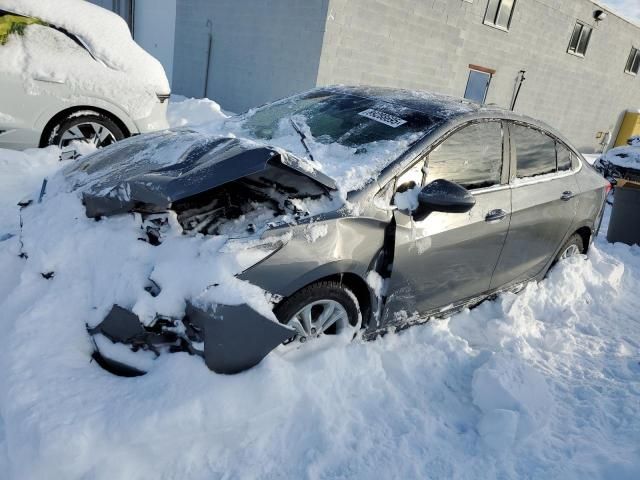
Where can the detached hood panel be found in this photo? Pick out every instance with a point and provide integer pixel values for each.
(153, 171)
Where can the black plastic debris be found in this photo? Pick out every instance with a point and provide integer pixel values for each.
(235, 338)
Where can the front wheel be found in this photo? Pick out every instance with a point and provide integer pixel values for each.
(83, 132)
(318, 310)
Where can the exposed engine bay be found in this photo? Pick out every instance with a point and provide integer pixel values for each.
(242, 208)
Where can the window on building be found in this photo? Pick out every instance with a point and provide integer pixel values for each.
(499, 13)
(535, 152)
(633, 63)
(471, 157)
(579, 39)
(478, 84)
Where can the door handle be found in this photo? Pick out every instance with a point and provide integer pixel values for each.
(495, 215)
(568, 195)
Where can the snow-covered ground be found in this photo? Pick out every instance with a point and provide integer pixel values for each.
(544, 384)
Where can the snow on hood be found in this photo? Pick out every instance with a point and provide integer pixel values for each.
(105, 33)
(169, 166)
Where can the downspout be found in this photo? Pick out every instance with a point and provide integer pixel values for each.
(206, 73)
(519, 80)
(132, 17)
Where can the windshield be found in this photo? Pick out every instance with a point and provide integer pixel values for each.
(346, 119)
(347, 137)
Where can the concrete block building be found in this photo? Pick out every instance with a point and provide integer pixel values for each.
(571, 63)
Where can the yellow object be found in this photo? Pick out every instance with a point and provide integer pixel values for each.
(629, 127)
(14, 24)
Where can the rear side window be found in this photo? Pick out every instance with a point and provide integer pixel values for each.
(564, 157)
(535, 152)
(471, 157)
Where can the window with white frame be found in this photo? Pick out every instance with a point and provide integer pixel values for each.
(499, 13)
(633, 63)
(579, 39)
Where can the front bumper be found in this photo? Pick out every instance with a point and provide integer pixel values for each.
(230, 339)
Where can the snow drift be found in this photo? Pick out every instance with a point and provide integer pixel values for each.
(542, 384)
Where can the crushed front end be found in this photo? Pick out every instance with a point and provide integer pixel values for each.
(227, 188)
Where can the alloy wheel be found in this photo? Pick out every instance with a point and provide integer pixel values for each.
(94, 135)
(322, 317)
(570, 251)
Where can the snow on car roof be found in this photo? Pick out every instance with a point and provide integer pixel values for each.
(105, 34)
(426, 102)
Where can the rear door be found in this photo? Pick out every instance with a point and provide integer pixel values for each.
(449, 257)
(543, 201)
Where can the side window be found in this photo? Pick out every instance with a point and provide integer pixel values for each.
(471, 157)
(564, 157)
(535, 152)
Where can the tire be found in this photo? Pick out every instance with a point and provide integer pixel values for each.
(95, 129)
(317, 299)
(573, 246)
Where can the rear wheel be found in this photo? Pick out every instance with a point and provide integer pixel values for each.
(318, 310)
(82, 133)
(573, 246)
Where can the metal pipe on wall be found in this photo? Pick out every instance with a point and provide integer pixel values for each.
(209, 25)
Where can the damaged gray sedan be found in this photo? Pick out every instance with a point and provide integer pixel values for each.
(367, 209)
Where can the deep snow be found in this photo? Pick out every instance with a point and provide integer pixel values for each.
(543, 384)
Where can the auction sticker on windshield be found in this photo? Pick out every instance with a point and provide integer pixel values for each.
(383, 117)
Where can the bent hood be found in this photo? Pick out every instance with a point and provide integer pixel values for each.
(150, 172)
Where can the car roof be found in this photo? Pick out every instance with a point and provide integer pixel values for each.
(419, 100)
(431, 103)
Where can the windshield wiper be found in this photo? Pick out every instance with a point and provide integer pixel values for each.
(303, 137)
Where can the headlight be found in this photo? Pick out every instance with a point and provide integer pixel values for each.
(251, 252)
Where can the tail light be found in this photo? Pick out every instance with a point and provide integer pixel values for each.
(608, 188)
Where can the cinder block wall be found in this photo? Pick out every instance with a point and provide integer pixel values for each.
(261, 50)
(429, 44)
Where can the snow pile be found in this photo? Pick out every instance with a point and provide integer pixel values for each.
(544, 384)
(194, 111)
(125, 72)
(21, 173)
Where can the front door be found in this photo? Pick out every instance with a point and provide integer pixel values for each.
(450, 257)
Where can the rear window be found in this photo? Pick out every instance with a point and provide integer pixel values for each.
(535, 152)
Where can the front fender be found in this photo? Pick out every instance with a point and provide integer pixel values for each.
(348, 245)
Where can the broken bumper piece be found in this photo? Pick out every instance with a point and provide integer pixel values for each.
(231, 339)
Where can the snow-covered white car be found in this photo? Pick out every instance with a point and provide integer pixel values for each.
(72, 76)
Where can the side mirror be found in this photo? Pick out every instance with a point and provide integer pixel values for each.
(443, 196)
